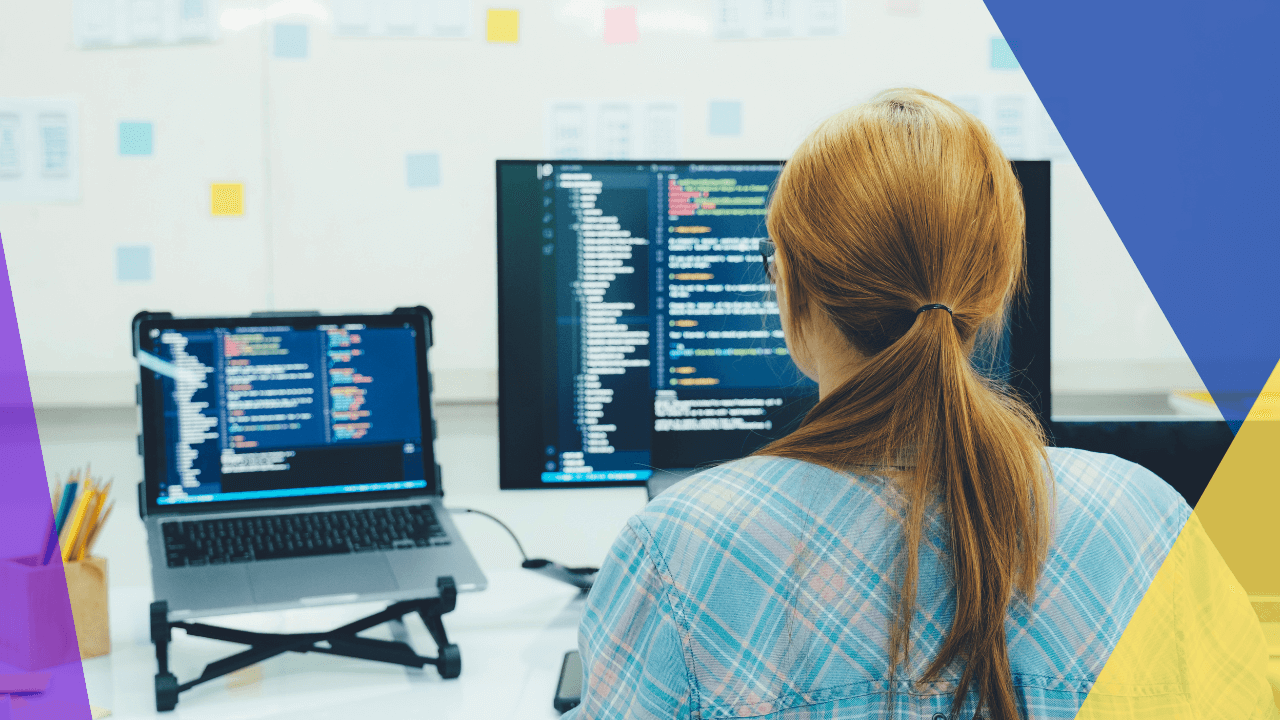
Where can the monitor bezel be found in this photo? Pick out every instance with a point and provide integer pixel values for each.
(150, 402)
(1029, 315)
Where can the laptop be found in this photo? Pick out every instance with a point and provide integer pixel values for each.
(289, 462)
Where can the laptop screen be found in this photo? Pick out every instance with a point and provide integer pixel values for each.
(286, 409)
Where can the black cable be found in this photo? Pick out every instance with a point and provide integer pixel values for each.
(579, 577)
(504, 527)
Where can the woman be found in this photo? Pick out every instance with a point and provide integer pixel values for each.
(912, 550)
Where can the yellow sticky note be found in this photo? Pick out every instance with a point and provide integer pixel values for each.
(503, 26)
(227, 198)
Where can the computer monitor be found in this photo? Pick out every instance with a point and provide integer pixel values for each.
(637, 332)
(257, 411)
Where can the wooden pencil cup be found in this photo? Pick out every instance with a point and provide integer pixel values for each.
(87, 588)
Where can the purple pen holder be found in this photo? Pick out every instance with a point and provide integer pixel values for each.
(36, 628)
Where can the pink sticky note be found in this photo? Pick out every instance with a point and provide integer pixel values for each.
(620, 25)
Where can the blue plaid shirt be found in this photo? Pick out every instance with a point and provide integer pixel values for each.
(765, 588)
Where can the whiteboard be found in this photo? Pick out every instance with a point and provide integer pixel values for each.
(331, 223)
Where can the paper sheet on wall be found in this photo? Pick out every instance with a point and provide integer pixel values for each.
(39, 151)
(743, 19)
(1008, 122)
(902, 7)
(402, 18)
(1019, 123)
(125, 23)
(612, 129)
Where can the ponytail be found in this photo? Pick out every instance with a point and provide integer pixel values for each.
(897, 204)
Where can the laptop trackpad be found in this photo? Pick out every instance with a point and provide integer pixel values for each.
(205, 588)
(290, 580)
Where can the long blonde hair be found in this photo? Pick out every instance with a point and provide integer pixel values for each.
(898, 203)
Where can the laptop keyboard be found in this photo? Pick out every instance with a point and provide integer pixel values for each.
(246, 539)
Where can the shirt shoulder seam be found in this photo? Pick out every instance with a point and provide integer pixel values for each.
(683, 623)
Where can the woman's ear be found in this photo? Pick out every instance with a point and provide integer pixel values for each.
(814, 341)
(790, 332)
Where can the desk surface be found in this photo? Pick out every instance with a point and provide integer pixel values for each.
(513, 637)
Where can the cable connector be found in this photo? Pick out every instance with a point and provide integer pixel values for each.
(579, 577)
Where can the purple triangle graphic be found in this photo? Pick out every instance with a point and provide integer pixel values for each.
(36, 629)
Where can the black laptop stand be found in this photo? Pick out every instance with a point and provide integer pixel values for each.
(344, 641)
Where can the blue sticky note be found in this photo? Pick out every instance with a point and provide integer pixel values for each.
(133, 263)
(135, 138)
(423, 169)
(290, 41)
(192, 9)
(1002, 56)
(725, 117)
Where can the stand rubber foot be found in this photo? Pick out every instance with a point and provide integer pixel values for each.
(450, 665)
(166, 692)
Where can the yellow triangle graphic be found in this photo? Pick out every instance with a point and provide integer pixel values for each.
(1195, 647)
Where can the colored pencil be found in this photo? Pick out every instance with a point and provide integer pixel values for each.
(77, 523)
(91, 524)
(82, 511)
(50, 542)
(65, 503)
(57, 494)
(93, 537)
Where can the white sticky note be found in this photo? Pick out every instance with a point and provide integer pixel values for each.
(614, 127)
(1008, 123)
(145, 21)
(352, 17)
(971, 103)
(39, 151)
(567, 131)
(902, 7)
(825, 17)
(400, 17)
(123, 23)
(450, 18)
(740, 19)
(661, 131)
(10, 152)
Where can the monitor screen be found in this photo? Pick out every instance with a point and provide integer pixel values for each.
(637, 331)
(257, 409)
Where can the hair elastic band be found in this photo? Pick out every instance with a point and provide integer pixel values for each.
(935, 306)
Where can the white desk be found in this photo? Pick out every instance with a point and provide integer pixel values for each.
(513, 637)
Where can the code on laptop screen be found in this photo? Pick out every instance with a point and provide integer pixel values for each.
(278, 411)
